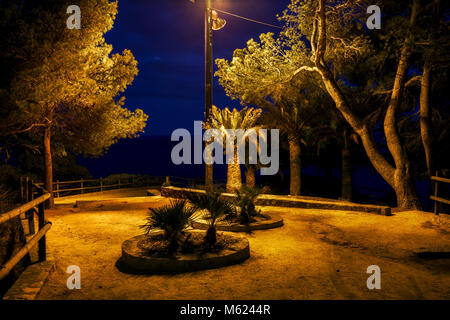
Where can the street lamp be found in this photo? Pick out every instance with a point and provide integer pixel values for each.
(212, 22)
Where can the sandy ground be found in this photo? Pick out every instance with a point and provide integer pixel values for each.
(317, 254)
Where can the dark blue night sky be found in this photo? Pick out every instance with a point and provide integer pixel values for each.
(167, 39)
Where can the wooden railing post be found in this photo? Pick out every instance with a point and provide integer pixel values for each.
(26, 190)
(30, 213)
(30, 190)
(38, 239)
(436, 203)
(101, 184)
(22, 195)
(57, 188)
(82, 186)
(42, 249)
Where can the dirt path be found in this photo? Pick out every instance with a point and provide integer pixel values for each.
(316, 255)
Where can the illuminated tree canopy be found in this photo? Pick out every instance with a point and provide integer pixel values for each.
(365, 72)
(66, 82)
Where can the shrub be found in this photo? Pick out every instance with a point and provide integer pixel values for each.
(245, 201)
(172, 219)
(216, 209)
(266, 190)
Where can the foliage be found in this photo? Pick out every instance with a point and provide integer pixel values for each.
(216, 209)
(364, 71)
(347, 40)
(30, 164)
(257, 72)
(92, 133)
(338, 42)
(172, 219)
(244, 119)
(245, 201)
(67, 81)
(78, 69)
(264, 74)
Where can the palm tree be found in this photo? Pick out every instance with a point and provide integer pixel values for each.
(223, 119)
(297, 109)
(245, 202)
(172, 219)
(251, 165)
(250, 180)
(286, 114)
(216, 208)
(337, 133)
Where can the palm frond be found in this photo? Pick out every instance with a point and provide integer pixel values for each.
(172, 219)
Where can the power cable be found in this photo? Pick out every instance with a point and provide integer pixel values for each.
(248, 19)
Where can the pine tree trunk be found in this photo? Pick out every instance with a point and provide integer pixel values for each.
(403, 177)
(234, 179)
(405, 190)
(295, 166)
(426, 129)
(346, 179)
(250, 177)
(48, 165)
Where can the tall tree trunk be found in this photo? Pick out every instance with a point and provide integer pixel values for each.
(403, 177)
(209, 175)
(209, 182)
(295, 166)
(234, 179)
(48, 164)
(250, 177)
(426, 128)
(399, 177)
(346, 179)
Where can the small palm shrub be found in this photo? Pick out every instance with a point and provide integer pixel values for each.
(172, 219)
(245, 201)
(216, 208)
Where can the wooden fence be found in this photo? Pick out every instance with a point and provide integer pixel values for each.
(436, 179)
(29, 208)
(85, 186)
(63, 188)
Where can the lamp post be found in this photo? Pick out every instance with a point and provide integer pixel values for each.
(212, 22)
(208, 58)
(209, 184)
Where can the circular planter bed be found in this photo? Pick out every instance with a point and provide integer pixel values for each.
(138, 257)
(265, 222)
